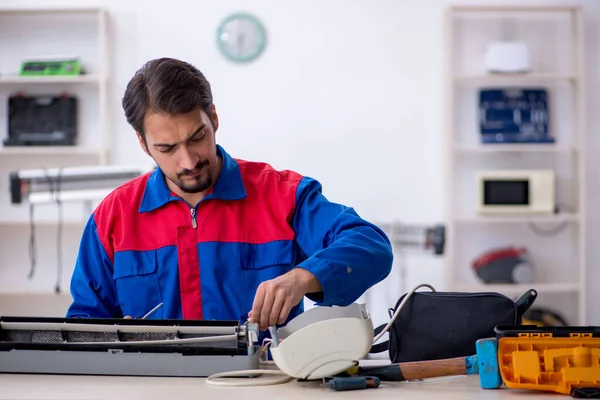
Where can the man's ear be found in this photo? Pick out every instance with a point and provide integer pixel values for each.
(215, 118)
(143, 143)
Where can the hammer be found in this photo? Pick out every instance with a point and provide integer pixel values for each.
(484, 363)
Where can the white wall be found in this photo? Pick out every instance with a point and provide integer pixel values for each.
(356, 85)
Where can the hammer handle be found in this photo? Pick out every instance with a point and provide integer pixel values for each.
(422, 369)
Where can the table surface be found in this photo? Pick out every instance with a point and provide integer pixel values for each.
(26, 386)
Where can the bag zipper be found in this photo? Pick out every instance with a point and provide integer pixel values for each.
(461, 295)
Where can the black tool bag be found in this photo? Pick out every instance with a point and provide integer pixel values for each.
(437, 325)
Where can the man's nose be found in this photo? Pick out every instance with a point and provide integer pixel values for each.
(188, 159)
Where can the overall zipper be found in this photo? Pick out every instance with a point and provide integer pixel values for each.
(193, 214)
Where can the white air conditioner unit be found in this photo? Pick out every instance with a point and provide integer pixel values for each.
(70, 184)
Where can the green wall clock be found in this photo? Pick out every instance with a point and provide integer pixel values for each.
(241, 37)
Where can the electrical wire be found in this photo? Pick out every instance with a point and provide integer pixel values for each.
(548, 232)
(555, 230)
(402, 303)
(252, 373)
(59, 233)
(32, 245)
(212, 380)
(54, 187)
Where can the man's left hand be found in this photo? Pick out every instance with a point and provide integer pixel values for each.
(275, 298)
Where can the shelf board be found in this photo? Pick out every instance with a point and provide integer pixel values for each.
(58, 10)
(516, 78)
(521, 288)
(42, 222)
(36, 293)
(514, 148)
(12, 79)
(506, 219)
(512, 8)
(49, 150)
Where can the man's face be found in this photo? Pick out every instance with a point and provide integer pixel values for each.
(184, 148)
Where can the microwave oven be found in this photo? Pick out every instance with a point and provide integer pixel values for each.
(516, 191)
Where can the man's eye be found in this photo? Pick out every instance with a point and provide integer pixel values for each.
(197, 139)
(166, 149)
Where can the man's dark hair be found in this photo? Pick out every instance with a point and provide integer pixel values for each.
(165, 85)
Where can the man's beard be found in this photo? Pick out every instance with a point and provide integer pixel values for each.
(199, 183)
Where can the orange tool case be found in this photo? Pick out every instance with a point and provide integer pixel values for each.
(556, 359)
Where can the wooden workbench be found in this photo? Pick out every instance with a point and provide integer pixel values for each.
(116, 387)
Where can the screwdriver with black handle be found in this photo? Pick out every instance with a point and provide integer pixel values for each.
(354, 383)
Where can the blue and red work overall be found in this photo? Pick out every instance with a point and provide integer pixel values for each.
(144, 245)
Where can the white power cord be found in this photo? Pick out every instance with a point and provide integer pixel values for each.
(212, 379)
(250, 374)
(247, 373)
(397, 312)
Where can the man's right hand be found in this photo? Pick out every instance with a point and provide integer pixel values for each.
(127, 317)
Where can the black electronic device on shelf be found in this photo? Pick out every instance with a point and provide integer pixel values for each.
(42, 120)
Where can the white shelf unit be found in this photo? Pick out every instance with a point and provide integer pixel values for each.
(33, 32)
(556, 243)
(518, 78)
(26, 80)
(515, 219)
(514, 148)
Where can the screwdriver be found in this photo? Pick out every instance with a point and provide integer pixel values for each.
(151, 311)
(354, 383)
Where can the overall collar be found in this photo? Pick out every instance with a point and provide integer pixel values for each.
(229, 185)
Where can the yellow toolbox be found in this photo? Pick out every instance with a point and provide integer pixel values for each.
(557, 359)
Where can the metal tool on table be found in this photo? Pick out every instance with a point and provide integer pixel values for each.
(354, 383)
(149, 313)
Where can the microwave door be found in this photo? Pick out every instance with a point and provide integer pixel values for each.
(506, 193)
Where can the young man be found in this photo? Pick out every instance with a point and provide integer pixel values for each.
(210, 236)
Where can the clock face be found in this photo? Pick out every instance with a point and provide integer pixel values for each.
(241, 37)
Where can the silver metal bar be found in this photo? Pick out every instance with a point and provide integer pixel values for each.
(225, 338)
(50, 326)
(152, 311)
(84, 173)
